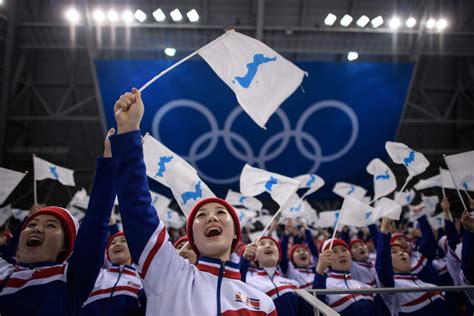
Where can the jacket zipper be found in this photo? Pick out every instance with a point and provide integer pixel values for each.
(219, 283)
(118, 279)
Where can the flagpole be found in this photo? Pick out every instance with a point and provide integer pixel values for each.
(161, 74)
(34, 181)
(442, 184)
(455, 183)
(467, 194)
(184, 246)
(335, 229)
(403, 187)
(268, 225)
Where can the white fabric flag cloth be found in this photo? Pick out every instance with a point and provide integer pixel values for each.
(384, 179)
(311, 181)
(187, 187)
(19, 214)
(344, 189)
(430, 203)
(9, 179)
(355, 213)
(462, 167)
(388, 208)
(328, 219)
(46, 170)
(437, 221)
(443, 179)
(263, 219)
(245, 216)
(172, 218)
(249, 202)
(415, 162)
(404, 198)
(159, 202)
(159, 158)
(77, 213)
(294, 208)
(5, 214)
(80, 199)
(260, 77)
(254, 181)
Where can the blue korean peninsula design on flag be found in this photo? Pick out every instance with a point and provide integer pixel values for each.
(334, 129)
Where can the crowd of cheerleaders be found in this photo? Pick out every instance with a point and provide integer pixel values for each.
(51, 265)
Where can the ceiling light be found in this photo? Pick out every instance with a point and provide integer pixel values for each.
(127, 16)
(192, 15)
(346, 20)
(159, 15)
(176, 15)
(394, 23)
(112, 15)
(431, 23)
(170, 51)
(73, 16)
(330, 19)
(140, 16)
(351, 56)
(441, 24)
(377, 21)
(98, 15)
(363, 21)
(411, 22)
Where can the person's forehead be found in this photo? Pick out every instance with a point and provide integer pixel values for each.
(119, 238)
(339, 248)
(46, 218)
(266, 241)
(212, 206)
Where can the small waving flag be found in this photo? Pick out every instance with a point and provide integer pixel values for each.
(260, 77)
(415, 162)
(9, 179)
(404, 198)
(344, 189)
(462, 167)
(384, 179)
(430, 203)
(254, 181)
(328, 218)
(356, 213)
(387, 208)
(46, 170)
(311, 181)
(159, 202)
(249, 202)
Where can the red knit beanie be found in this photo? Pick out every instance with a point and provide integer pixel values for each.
(398, 235)
(201, 203)
(277, 243)
(111, 238)
(296, 246)
(355, 241)
(180, 240)
(337, 242)
(69, 223)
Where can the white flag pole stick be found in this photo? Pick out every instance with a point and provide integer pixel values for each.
(34, 181)
(161, 74)
(184, 246)
(442, 184)
(268, 225)
(455, 183)
(403, 187)
(335, 229)
(467, 194)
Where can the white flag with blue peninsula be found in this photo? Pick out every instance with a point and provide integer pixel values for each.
(46, 170)
(344, 189)
(249, 202)
(404, 198)
(462, 167)
(328, 219)
(387, 208)
(415, 162)
(159, 202)
(260, 77)
(384, 179)
(186, 186)
(159, 158)
(254, 181)
(9, 179)
(356, 213)
(311, 181)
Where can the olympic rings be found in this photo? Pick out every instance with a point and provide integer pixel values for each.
(248, 155)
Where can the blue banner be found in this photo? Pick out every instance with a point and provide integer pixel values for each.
(333, 126)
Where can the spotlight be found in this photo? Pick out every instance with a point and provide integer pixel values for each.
(346, 20)
(351, 56)
(159, 15)
(377, 21)
(362, 21)
(394, 23)
(127, 16)
(431, 23)
(411, 22)
(113, 16)
(441, 24)
(140, 16)
(330, 19)
(176, 15)
(98, 15)
(73, 16)
(192, 15)
(170, 51)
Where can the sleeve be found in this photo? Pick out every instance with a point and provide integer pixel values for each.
(320, 283)
(428, 241)
(113, 229)
(284, 263)
(13, 243)
(244, 268)
(310, 242)
(374, 232)
(383, 262)
(88, 255)
(345, 235)
(148, 240)
(467, 258)
(451, 234)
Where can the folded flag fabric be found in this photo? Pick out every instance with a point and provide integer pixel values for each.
(46, 170)
(159, 202)
(344, 189)
(430, 203)
(260, 77)
(328, 219)
(9, 179)
(249, 202)
(355, 213)
(415, 162)
(462, 167)
(384, 179)
(404, 198)
(254, 181)
(5, 214)
(311, 181)
(187, 188)
(387, 208)
(159, 158)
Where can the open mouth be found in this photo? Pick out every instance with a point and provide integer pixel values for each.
(268, 252)
(303, 257)
(343, 261)
(117, 250)
(34, 241)
(362, 252)
(213, 232)
(184, 255)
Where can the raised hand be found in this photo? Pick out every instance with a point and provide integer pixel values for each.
(385, 225)
(289, 227)
(107, 149)
(467, 221)
(131, 111)
(250, 251)
(324, 261)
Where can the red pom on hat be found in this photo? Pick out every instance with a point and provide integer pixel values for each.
(201, 203)
(69, 223)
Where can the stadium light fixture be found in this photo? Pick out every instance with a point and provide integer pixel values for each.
(431, 23)
(170, 51)
(98, 15)
(394, 23)
(159, 15)
(441, 24)
(127, 16)
(363, 21)
(140, 16)
(346, 20)
(192, 15)
(351, 56)
(176, 15)
(411, 22)
(73, 16)
(377, 21)
(113, 16)
(330, 19)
